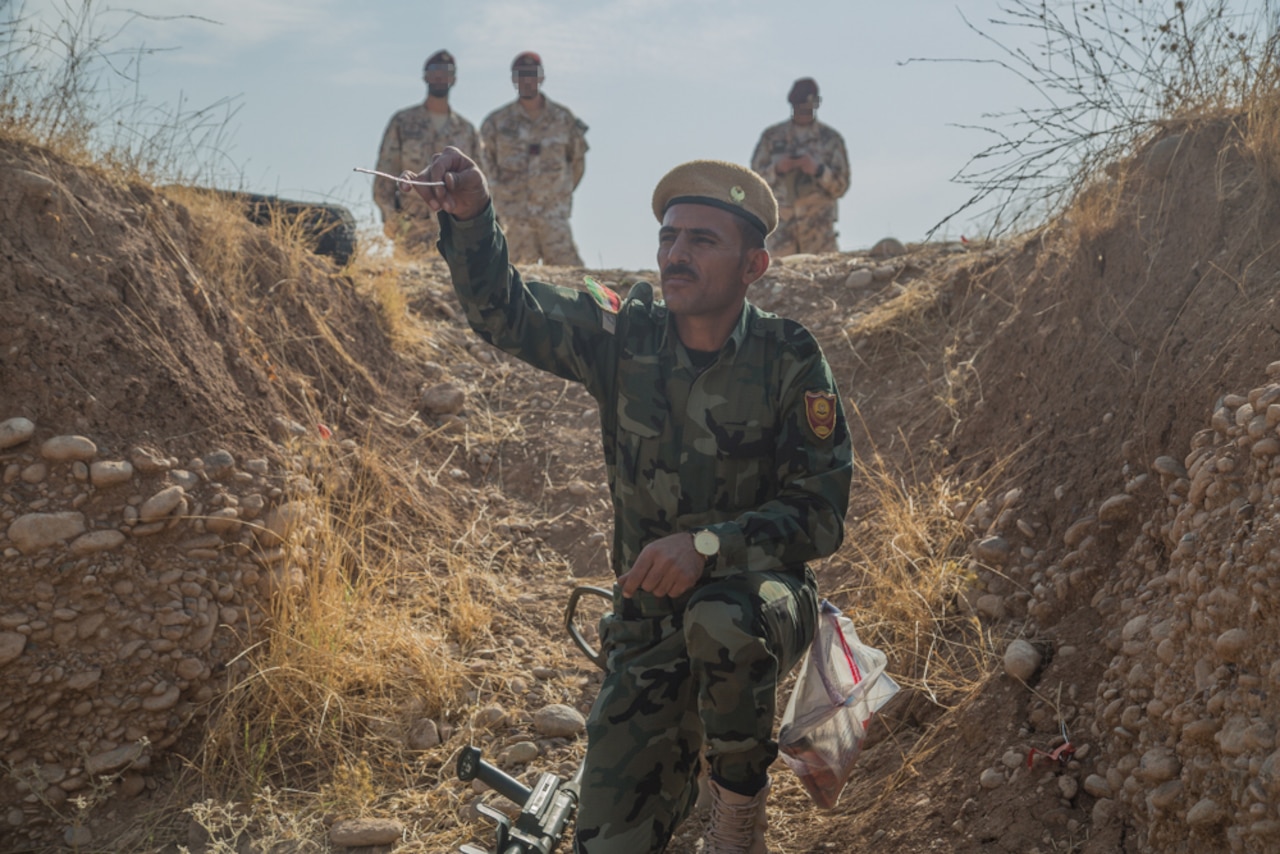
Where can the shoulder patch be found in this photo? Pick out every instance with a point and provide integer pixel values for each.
(820, 410)
(608, 301)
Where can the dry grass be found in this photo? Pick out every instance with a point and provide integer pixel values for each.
(906, 567)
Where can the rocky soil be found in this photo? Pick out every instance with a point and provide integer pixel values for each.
(1107, 387)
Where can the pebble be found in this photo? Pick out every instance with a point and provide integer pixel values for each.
(96, 541)
(991, 778)
(859, 278)
(161, 504)
(15, 431)
(993, 550)
(491, 717)
(424, 734)
(1205, 812)
(443, 399)
(888, 247)
(363, 832)
(1021, 660)
(1232, 644)
(1097, 786)
(107, 473)
(78, 836)
(1169, 466)
(12, 645)
(61, 449)
(1166, 795)
(1068, 787)
(558, 719)
(112, 760)
(521, 753)
(35, 532)
(1117, 508)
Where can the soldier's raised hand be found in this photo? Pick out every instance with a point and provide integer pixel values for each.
(464, 193)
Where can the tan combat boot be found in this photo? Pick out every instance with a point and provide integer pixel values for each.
(737, 822)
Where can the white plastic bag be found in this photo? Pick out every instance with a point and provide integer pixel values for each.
(842, 683)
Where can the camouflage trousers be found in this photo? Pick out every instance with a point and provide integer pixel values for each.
(534, 237)
(804, 229)
(699, 671)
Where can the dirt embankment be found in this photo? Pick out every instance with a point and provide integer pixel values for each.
(1104, 383)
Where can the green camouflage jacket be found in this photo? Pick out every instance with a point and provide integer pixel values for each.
(755, 447)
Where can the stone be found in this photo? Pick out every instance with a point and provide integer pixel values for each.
(424, 734)
(363, 832)
(1021, 660)
(991, 778)
(992, 550)
(147, 462)
(35, 532)
(1158, 765)
(1204, 813)
(888, 247)
(859, 278)
(64, 449)
(281, 522)
(1232, 644)
(161, 504)
(218, 464)
(77, 836)
(558, 719)
(85, 679)
(491, 717)
(990, 606)
(443, 399)
(1166, 795)
(113, 760)
(96, 541)
(15, 431)
(1116, 509)
(522, 753)
(224, 521)
(1097, 786)
(11, 646)
(1068, 787)
(107, 473)
(1169, 466)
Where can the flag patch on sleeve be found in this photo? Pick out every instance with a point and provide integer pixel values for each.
(608, 301)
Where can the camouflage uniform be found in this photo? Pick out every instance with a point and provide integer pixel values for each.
(534, 165)
(733, 448)
(806, 204)
(410, 140)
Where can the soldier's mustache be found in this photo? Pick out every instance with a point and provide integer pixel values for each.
(679, 270)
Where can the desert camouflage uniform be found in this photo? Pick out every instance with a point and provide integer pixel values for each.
(533, 166)
(731, 448)
(408, 143)
(806, 204)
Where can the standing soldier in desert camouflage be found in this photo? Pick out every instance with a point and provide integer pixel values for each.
(729, 462)
(412, 136)
(807, 167)
(534, 156)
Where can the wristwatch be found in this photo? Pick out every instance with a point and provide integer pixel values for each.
(706, 542)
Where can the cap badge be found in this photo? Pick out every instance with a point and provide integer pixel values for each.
(737, 194)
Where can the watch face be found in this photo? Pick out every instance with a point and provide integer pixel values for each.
(706, 543)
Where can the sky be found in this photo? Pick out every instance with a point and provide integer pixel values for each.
(312, 84)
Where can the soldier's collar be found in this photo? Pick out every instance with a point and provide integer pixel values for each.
(731, 346)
